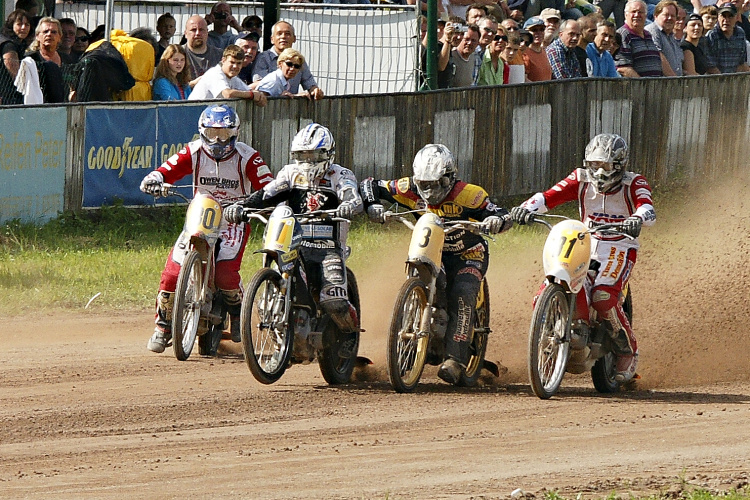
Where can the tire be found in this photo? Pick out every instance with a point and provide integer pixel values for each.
(337, 369)
(266, 337)
(603, 372)
(478, 346)
(407, 350)
(187, 306)
(548, 347)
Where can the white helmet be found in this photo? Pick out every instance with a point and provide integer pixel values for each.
(312, 150)
(434, 172)
(606, 160)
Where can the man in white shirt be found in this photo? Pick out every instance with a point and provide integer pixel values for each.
(222, 82)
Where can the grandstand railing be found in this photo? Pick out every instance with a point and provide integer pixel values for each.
(351, 49)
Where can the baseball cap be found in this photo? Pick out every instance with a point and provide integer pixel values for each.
(527, 35)
(533, 21)
(694, 17)
(728, 7)
(550, 13)
(248, 35)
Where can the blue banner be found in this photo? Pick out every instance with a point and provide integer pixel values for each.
(33, 145)
(123, 145)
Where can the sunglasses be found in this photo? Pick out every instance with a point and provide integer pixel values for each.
(290, 64)
(82, 39)
(488, 30)
(501, 37)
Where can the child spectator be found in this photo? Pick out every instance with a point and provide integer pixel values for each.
(172, 79)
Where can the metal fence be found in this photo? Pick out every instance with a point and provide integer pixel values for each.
(351, 49)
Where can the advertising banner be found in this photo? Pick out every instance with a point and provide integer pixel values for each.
(32, 163)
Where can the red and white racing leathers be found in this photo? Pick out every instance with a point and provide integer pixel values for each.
(239, 174)
(616, 253)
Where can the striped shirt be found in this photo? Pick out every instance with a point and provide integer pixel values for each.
(638, 52)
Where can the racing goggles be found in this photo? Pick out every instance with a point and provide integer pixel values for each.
(594, 166)
(314, 156)
(441, 183)
(220, 135)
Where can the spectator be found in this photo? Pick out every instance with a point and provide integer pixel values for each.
(253, 24)
(147, 35)
(487, 29)
(638, 55)
(282, 37)
(460, 8)
(13, 38)
(276, 84)
(695, 62)
(474, 13)
(662, 32)
(587, 24)
(561, 52)
(104, 74)
(492, 70)
(31, 7)
(726, 52)
(535, 58)
(248, 41)
(67, 39)
(97, 34)
(551, 18)
(599, 61)
(446, 41)
(617, 9)
(81, 43)
(222, 82)
(139, 58)
(465, 58)
(710, 15)
(222, 19)
(166, 25)
(172, 78)
(616, 44)
(509, 25)
(514, 73)
(49, 63)
(201, 55)
(679, 24)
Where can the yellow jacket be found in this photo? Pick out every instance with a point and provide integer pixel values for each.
(139, 56)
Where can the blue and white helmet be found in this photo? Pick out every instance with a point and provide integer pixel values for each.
(313, 149)
(219, 126)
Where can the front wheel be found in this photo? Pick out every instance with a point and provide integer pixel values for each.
(548, 341)
(407, 343)
(265, 327)
(187, 305)
(339, 354)
(478, 346)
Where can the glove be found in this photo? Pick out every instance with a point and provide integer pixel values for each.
(497, 224)
(152, 183)
(345, 210)
(632, 226)
(376, 213)
(235, 213)
(521, 215)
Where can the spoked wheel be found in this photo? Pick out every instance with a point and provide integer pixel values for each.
(478, 346)
(339, 354)
(604, 370)
(187, 305)
(548, 344)
(407, 345)
(266, 331)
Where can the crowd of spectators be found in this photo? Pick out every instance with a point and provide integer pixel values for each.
(490, 42)
(557, 39)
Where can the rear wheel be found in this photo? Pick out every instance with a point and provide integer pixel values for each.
(604, 370)
(478, 346)
(187, 306)
(266, 330)
(339, 354)
(548, 344)
(407, 344)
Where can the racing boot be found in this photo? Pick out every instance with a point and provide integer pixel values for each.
(233, 301)
(625, 366)
(160, 340)
(450, 371)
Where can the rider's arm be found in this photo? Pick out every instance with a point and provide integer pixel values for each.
(394, 191)
(347, 191)
(562, 192)
(640, 193)
(181, 163)
(256, 171)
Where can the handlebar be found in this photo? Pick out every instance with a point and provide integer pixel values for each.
(474, 227)
(607, 228)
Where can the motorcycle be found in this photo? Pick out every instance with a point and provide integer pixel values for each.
(417, 332)
(198, 309)
(282, 322)
(557, 344)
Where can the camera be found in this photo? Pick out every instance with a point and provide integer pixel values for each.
(220, 15)
(460, 28)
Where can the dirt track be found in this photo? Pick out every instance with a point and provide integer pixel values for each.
(88, 412)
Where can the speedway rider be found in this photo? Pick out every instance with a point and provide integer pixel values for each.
(313, 182)
(607, 193)
(435, 187)
(224, 168)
